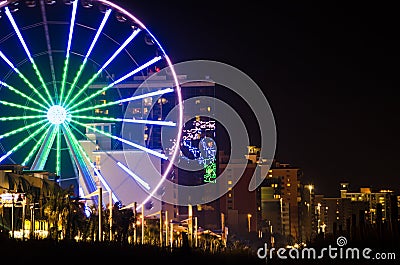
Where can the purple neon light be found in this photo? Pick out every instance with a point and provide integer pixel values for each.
(15, 26)
(2, 55)
(116, 82)
(71, 27)
(127, 41)
(96, 37)
(150, 94)
(152, 61)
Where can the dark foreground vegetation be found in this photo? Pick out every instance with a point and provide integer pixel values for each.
(64, 252)
(48, 251)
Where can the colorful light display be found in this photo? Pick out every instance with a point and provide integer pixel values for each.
(53, 119)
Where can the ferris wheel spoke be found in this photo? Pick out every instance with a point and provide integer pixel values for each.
(91, 164)
(22, 143)
(117, 102)
(82, 66)
(35, 148)
(48, 44)
(18, 92)
(108, 62)
(138, 146)
(137, 70)
(19, 106)
(151, 122)
(19, 118)
(67, 55)
(134, 176)
(28, 53)
(45, 148)
(22, 76)
(21, 129)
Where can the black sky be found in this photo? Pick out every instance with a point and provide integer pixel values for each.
(328, 69)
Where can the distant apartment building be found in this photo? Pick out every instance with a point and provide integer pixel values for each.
(379, 202)
(241, 207)
(281, 199)
(355, 212)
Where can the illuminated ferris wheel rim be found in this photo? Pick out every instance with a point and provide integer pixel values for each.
(59, 114)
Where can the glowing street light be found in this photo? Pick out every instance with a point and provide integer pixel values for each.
(248, 221)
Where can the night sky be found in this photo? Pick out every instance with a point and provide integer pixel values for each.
(329, 71)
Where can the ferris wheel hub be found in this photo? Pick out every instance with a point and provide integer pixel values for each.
(57, 114)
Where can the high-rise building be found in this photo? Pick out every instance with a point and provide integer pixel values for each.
(241, 207)
(283, 184)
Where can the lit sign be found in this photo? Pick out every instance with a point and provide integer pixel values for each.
(210, 174)
(8, 199)
(198, 144)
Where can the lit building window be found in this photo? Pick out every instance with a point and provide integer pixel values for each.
(148, 101)
(98, 160)
(229, 182)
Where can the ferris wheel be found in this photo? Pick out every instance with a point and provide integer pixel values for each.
(65, 67)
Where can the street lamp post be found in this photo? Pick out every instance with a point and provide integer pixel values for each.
(12, 216)
(111, 213)
(248, 221)
(23, 220)
(142, 223)
(100, 207)
(166, 228)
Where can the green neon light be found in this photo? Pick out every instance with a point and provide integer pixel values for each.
(78, 75)
(21, 129)
(16, 91)
(18, 118)
(46, 150)
(18, 146)
(210, 173)
(35, 148)
(39, 75)
(64, 77)
(6, 103)
(91, 80)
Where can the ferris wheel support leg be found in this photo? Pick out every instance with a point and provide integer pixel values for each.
(84, 171)
(43, 154)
